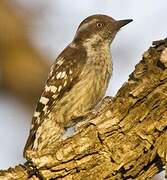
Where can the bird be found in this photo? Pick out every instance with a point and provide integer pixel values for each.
(77, 81)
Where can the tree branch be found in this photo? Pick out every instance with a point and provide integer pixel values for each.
(125, 139)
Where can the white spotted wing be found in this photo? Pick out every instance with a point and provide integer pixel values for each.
(63, 75)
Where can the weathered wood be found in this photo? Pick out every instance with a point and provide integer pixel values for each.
(125, 139)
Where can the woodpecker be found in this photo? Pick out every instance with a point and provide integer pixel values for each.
(77, 81)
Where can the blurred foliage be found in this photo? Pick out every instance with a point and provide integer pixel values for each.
(23, 70)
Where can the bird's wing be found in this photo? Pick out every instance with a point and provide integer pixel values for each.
(63, 75)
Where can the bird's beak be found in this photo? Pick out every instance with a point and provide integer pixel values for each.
(122, 23)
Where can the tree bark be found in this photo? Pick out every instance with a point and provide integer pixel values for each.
(126, 138)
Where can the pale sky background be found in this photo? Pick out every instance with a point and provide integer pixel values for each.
(53, 26)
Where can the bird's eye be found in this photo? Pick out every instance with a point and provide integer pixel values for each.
(99, 25)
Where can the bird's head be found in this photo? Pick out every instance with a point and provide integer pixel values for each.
(99, 28)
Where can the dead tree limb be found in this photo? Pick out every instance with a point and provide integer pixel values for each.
(125, 139)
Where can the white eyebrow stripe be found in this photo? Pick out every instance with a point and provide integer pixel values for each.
(85, 25)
